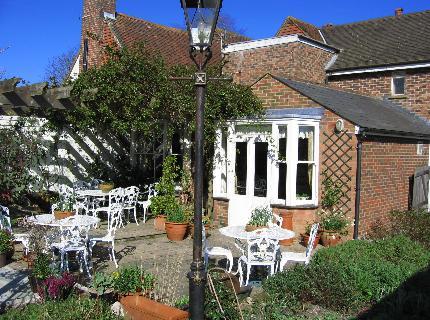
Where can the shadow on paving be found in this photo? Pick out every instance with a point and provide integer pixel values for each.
(410, 301)
(14, 288)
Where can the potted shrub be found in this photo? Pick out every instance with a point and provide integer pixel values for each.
(260, 218)
(6, 247)
(165, 198)
(106, 186)
(40, 271)
(64, 207)
(135, 287)
(176, 223)
(306, 235)
(334, 225)
(57, 287)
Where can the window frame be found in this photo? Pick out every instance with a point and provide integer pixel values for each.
(398, 75)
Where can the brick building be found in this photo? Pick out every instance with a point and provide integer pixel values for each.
(356, 95)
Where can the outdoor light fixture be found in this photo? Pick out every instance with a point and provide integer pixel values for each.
(201, 17)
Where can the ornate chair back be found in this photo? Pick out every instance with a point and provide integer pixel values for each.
(116, 196)
(5, 219)
(130, 196)
(312, 236)
(114, 219)
(262, 248)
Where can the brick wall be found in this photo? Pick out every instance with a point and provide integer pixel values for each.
(220, 211)
(294, 60)
(93, 24)
(417, 88)
(387, 165)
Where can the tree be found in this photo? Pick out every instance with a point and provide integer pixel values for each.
(59, 67)
(2, 71)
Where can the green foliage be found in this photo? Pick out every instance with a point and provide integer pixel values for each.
(70, 309)
(132, 279)
(102, 282)
(42, 267)
(347, 277)
(261, 216)
(225, 296)
(414, 224)
(334, 221)
(6, 242)
(177, 214)
(182, 302)
(165, 201)
(332, 193)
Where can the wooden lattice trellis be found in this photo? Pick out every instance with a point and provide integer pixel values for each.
(336, 165)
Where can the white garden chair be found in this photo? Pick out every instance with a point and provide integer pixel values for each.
(277, 221)
(261, 251)
(5, 224)
(215, 251)
(300, 256)
(73, 239)
(116, 196)
(130, 200)
(145, 204)
(114, 221)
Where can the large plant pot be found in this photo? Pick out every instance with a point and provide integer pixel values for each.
(191, 230)
(176, 231)
(106, 187)
(287, 223)
(160, 223)
(330, 238)
(306, 239)
(250, 228)
(3, 259)
(63, 214)
(141, 308)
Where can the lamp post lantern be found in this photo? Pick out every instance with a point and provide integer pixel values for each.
(201, 17)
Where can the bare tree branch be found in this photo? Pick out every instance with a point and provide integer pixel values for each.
(59, 68)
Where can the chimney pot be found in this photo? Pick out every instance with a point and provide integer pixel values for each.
(398, 12)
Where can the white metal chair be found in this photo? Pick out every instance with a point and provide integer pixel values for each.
(116, 196)
(277, 221)
(114, 221)
(130, 200)
(261, 251)
(73, 239)
(215, 252)
(5, 224)
(145, 204)
(300, 256)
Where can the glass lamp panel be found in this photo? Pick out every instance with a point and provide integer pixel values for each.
(202, 15)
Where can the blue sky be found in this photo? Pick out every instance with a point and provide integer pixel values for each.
(37, 30)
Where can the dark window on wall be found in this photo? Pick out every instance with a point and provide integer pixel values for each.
(282, 190)
(260, 177)
(241, 167)
(398, 83)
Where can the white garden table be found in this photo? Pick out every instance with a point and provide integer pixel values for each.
(82, 221)
(92, 193)
(239, 232)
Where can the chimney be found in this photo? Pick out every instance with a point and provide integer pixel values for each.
(94, 12)
(398, 12)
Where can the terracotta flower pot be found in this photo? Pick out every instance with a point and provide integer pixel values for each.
(191, 230)
(159, 222)
(3, 259)
(306, 239)
(63, 214)
(106, 187)
(250, 228)
(176, 231)
(287, 223)
(330, 238)
(138, 307)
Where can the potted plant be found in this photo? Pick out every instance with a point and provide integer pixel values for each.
(106, 186)
(102, 286)
(57, 287)
(135, 287)
(165, 198)
(206, 219)
(260, 218)
(176, 223)
(64, 207)
(6, 247)
(40, 271)
(306, 235)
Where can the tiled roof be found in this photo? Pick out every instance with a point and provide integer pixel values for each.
(379, 42)
(293, 25)
(171, 43)
(372, 115)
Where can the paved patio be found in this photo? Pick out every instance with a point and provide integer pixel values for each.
(135, 244)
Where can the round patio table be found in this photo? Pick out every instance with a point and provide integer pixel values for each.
(49, 220)
(239, 232)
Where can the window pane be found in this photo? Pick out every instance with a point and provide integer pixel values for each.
(304, 181)
(241, 167)
(399, 85)
(260, 177)
(282, 192)
(282, 149)
(224, 161)
(306, 143)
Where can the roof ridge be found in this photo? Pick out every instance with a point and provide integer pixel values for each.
(375, 19)
(153, 23)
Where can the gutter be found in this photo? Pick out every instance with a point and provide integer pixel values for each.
(402, 135)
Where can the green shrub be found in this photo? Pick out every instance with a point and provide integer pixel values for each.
(6, 242)
(348, 277)
(70, 309)
(132, 279)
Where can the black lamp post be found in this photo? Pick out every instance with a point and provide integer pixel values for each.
(201, 17)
